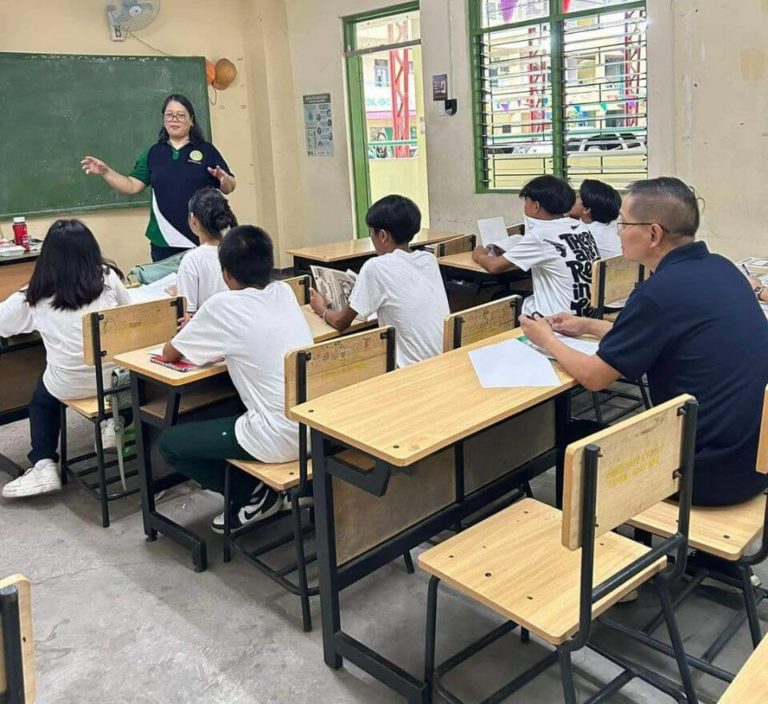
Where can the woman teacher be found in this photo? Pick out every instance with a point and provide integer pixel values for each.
(177, 166)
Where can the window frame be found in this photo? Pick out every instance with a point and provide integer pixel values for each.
(555, 19)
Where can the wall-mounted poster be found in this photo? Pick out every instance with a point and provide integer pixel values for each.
(318, 124)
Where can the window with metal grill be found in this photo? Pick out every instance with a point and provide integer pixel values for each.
(560, 87)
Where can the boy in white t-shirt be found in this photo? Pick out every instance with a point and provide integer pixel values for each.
(252, 326)
(403, 288)
(557, 249)
(597, 206)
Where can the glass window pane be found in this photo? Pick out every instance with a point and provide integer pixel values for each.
(516, 105)
(581, 5)
(496, 12)
(605, 97)
(404, 27)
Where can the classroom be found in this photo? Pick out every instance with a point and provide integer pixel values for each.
(370, 351)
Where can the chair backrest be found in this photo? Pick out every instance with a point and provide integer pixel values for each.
(127, 328)
(762, 448)
(465, 243)
(300, 287)
(328, 366)
(18, 676)
(639, 465)
(474, 324)
(613, 280)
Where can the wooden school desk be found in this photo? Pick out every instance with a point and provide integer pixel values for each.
(442, 447)
(22, 358)
(160, 396)
(460, 272)
(351, 254)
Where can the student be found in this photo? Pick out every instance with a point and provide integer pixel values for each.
(403, 288)
(70, 279)
(252, 326)
(685, 342)
(557, 249)
(199, 274)
(597, 206)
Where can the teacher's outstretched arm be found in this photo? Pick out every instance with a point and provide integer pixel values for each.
(122, 184)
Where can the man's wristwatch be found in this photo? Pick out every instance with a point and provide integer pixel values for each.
(758, 290)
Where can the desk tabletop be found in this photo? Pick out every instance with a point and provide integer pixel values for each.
(751, 683)
(411, 413)
(139, 360)
(363, 247)
(462, 260)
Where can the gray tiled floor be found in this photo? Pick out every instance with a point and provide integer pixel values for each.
(119, 620)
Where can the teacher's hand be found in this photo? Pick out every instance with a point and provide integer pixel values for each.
(226, 181)
(92, 165)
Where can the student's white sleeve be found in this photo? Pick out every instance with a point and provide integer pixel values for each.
(526, 252)
(202, 339)
(121, 293)
(187, 283)
(15, 315)
(368, 294)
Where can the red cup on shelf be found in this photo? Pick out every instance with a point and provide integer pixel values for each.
(21, 233)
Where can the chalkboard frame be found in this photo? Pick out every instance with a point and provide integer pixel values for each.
(144, 199)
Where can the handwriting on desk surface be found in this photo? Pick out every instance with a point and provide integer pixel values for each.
(633, 466)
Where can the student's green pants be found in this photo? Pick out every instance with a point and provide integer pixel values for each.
(200, 450)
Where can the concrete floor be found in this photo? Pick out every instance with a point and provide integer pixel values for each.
(119, 620)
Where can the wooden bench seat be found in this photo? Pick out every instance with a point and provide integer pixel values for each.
(516, 564)
(751, 683)
(285, 475)
(86, 407)
(723, 531)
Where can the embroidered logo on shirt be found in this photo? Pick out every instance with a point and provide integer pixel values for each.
(196, 155)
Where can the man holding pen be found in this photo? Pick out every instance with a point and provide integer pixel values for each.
(686, 341)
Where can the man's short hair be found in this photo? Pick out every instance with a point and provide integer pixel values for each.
(551, 193)
(398, 215)
(667, 201)
(247, 255)
(602, 200)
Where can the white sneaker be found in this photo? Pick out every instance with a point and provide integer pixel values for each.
(40, 479)
(109, 435)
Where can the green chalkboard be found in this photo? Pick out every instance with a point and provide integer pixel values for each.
(57, 108)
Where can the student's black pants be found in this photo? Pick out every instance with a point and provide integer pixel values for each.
(44, 424)
(200, 450)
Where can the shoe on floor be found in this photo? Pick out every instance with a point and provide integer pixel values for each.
(109, 435)
(43, 478)
(264, 502)
(629, 597)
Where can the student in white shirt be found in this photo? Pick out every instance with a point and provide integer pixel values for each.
(252, 326)
(401, 287)
(199, 274)
(557, 249)
(70, 279)
(597, 206)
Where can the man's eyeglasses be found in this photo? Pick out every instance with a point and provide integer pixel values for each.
(175, 116)
(621, 224)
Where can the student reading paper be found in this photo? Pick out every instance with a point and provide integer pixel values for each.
(403, 288)
(557, 249)
(252, 326)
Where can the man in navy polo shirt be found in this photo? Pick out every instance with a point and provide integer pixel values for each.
(694, 327)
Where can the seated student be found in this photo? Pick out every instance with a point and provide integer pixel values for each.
(403, 288)
(199, 274)
(252, 326)
(597, 206)
(685, 342)
(70, 279)
(557, 249)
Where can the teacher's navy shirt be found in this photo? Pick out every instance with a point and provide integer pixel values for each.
(696, 327)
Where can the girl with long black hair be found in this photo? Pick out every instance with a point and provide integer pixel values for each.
(71, 278)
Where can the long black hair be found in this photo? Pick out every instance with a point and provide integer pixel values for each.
(70, 269)
(212, 211)
(195, 133)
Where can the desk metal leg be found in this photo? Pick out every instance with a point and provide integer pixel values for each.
(146, 482)
(326, 549)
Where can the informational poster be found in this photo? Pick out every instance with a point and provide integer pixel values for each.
(318, 124)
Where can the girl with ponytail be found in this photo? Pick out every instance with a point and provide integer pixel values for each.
(200, 272)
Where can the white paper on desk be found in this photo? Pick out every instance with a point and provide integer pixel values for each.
(511, 364)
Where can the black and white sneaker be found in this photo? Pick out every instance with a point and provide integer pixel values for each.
(264, 502)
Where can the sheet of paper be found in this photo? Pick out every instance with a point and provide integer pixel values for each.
(512, 364)
(492, 230)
